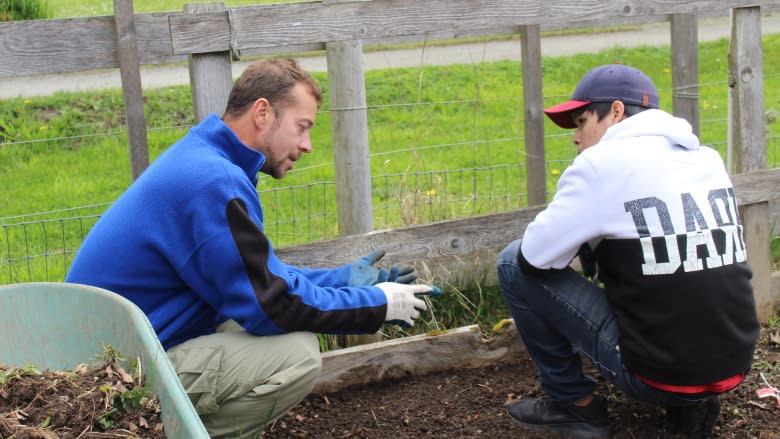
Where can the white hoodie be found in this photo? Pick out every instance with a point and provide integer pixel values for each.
(651, 154)
(659, 210)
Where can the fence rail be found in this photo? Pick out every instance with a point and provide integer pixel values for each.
(40, 47)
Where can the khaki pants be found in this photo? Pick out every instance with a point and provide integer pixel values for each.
(239, 382)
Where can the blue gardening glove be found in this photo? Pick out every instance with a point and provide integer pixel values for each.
(403, 303)
(363, 272)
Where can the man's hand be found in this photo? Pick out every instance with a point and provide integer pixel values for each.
(403, 305)
(363, 272)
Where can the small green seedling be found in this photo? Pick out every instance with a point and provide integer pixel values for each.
(15, 372)
(110, 354)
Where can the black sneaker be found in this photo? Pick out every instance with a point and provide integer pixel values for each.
(577, 422)
(694, 421)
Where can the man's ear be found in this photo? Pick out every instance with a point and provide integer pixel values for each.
(261, 112)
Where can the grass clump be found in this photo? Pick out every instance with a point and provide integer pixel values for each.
(14, 10)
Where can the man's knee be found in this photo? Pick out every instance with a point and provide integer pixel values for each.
(309, 350)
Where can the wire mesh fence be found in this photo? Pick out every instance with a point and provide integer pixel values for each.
(444, 149)
(41, 246)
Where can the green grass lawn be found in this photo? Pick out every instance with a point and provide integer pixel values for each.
(92, 8)
(436, 133)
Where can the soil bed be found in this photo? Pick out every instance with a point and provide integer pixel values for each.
(468, 403)
(471, 404)
(99, 401)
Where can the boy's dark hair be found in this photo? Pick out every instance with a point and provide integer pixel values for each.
(602, 109)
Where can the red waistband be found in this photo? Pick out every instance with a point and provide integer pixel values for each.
(717, 387)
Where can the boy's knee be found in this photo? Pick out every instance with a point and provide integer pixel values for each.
(509, 254)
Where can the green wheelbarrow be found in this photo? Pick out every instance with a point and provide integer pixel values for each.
(59, 325)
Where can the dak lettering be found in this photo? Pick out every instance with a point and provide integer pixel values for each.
(700, 246)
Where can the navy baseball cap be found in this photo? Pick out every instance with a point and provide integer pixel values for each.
(608, 83)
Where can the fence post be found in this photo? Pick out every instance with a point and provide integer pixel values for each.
(747, 142)
(349, 115)
(531, 55)
(347, 90)
(685, 68)
(211, 75)
(130, 72)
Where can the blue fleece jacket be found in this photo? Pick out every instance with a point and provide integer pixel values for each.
(185, 243)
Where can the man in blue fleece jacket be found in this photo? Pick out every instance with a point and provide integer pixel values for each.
(186, 243)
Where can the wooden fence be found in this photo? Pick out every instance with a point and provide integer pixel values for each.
(210, 35)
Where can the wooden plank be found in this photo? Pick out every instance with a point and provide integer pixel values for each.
(463, 347)
(351, 154)
(470, 33)
(757, 186)
(459, 348)
(154, 39)
(755, 221)
(456, 349)
(349, 116)
(428, 242)
(533, 103)
(747, 142)
(747, 137)
(685, 68)
(302, 23)
(35, 47)
(130, 72)
(38, 47)
(211, 74)
(51, 46)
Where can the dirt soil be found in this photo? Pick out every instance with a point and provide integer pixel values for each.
(99, 401)
(472, 404)
(456, 404)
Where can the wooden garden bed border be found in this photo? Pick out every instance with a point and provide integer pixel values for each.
(460, 348)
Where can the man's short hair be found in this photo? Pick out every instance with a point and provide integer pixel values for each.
(272, 79)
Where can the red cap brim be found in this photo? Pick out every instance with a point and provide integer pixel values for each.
(561, 113)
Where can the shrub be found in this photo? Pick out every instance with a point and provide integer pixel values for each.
(11, 10)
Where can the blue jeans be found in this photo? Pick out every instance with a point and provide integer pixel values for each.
(562, 316)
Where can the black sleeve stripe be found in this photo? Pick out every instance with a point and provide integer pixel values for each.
(287, 311)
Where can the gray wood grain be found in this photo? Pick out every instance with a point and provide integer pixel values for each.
(746, 91)
(747, 142)
(685, 68)
(533, 103)
(211, 74)
(444, 239)
(130, 72)
(303, 23)
(351, 152)
(77, 44)
(464, 347)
